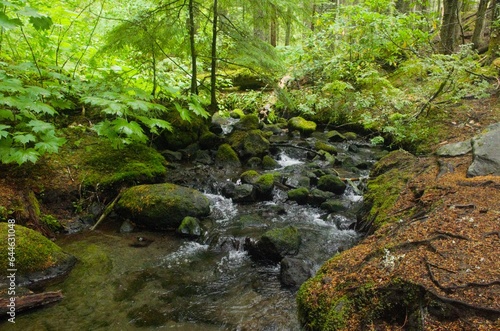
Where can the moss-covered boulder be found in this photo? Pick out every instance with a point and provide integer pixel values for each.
(249, 177)
(184, 133)
(161, 206)
(317, 196)
(322, 146)
(275, 244)
(269, 163)
(264, 186)
(109, 168)
(227, 157)
(247, 123)
(37, 259)
(249, 143)
(209, 140)
(331, 183)
(302, 125)
(335, 136)
(300, 195)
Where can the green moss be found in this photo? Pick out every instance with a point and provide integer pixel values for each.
(300, 195)
(392, 173)
(109, 168)
(249, 176)
(33, 252)
(302, 125)
(4, 214)
(226, 156)
(248, 122)
(322, 146)
(265, 184)
(52, 222)
(269, 163)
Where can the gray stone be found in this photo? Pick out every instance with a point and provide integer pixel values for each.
(455, 149)
(486, 153)
(294, 272)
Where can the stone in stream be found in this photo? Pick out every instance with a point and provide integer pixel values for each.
(161, 206)
(294, 272)
(301, 125)
(275, 244)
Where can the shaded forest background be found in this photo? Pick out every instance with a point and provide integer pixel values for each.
(124, 69)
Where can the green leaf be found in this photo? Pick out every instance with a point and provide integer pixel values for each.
(50, 144)
(42, 108)
(41, 23)
(9, 23)
(3, 133)
(11, 85)
(6, 114)
(196, 107)
(131, 129)
(38, 91)
(25, 155)
(40, 126)
(115, 108)
(183, 112)
(140, 105)
(16, 102)
(29, 12)
(154, 123)
(24, 138)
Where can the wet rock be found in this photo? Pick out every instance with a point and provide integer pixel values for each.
(247, 123)
(350, 135)
(317, 197)
(161, 206)
(275, 244)
(126, 227)
(294, 272)
(239, 193)
(268, 163)
(299, 195)
(227, 157)
(249, 177)
(190, 226)
(333, 206)
(335, 136)
(264, 186)
(322, 146)
(486, 153)
(203, 157)
(331, 183)
(301, 125)
(172, 156)
(254, 162)
(249, 143)
(210, 140)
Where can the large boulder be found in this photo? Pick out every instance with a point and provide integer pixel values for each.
(486, 153)
(161, 206)
(248, 143)
(227, 157)
(302, 125)
(37, 259)
(331, 183)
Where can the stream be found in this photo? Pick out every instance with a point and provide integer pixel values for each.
(208, 283)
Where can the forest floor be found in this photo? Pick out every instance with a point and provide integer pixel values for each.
(436, 267)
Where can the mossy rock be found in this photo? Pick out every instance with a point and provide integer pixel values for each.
(237, 113)
(34, 253)
(322, 146)
(247, 123)
(249, 143)
(333, 206)
(227, 157)
(389, 176)
(277, 243)
(161, 206)
(108, 168)
(335, 136)
(265, 185)
(184, 133)
(249, 177)
(302, 125)
(331, 183)
(269, 163)
(190, 226)
(246, 79)
(209, 140)
(300, 195)
(350, 135)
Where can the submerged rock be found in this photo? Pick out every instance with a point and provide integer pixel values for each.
(294, 272)
(161, 206)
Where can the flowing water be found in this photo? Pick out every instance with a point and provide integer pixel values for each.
(206, 284)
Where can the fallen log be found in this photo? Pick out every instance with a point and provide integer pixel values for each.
(30, 301)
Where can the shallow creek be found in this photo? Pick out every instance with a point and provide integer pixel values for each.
(209, 283)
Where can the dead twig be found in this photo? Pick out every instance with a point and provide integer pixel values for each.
(106, 211)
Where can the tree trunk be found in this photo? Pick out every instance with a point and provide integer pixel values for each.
(213, 77)
(494, 45)
(192, 46)
(478, 27)
(259, 23)
(450, 26)
(274, 28)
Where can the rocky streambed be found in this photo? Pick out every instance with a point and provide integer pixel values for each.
(240, 222)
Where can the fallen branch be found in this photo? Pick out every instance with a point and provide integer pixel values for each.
(434, 96)
(31, 301)
(106, 211)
